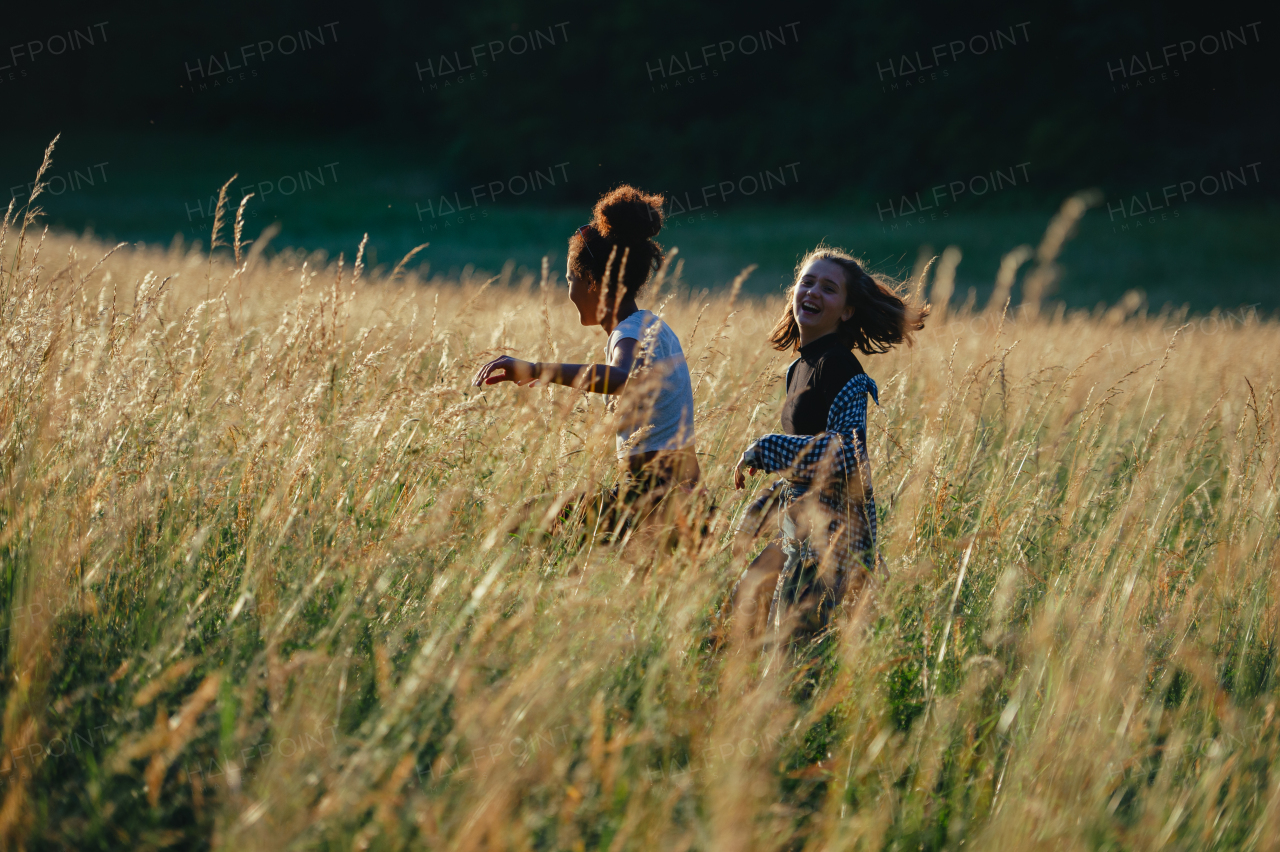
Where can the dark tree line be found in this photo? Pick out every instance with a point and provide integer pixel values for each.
(876, 97)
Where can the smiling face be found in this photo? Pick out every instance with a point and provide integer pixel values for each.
(818, 300)
(585, 296)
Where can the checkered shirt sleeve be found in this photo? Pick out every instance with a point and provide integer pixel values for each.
(844, 442)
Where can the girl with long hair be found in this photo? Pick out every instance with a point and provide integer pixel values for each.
(822, 512)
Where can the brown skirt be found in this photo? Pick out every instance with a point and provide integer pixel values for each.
(645, 479)
(663, 468)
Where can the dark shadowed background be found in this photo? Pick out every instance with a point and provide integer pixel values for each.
(488, 129)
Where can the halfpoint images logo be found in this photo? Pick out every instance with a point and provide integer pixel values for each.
(685, 208)
(906, 71)
(448, 213)
(57, 184)
(21, 56)
(911, 209)
(1139, 71)
(1138, 211)
(675, 72)
(231, 67)
(448, 70)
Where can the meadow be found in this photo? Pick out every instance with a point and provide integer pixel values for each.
(1206, 253)
(264, 588)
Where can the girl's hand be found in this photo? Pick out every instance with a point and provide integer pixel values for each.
(744, 467)
(505, 369)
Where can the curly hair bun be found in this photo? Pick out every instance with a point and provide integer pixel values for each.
(627, 215)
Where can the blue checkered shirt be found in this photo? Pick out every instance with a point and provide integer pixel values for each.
(835, 461)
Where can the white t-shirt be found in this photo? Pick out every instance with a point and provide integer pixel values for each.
(667, 405)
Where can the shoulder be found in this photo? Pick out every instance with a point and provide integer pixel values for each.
(836, 367)
(632, 327)
(636, 325)
(856, 389)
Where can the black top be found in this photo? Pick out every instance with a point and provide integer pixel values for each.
(825, 366)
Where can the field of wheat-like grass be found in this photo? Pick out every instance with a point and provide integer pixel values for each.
(263, 586)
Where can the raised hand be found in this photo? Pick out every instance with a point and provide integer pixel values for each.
(743, 468)
(505, 369)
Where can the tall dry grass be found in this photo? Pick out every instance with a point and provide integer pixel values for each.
(264, 588)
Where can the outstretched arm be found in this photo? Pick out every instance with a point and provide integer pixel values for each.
(608, 378)
(843, 442)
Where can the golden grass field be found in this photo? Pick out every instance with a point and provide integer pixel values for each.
(263, 589)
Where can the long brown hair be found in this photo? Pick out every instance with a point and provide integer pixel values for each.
(881, 317)
(623, 225)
